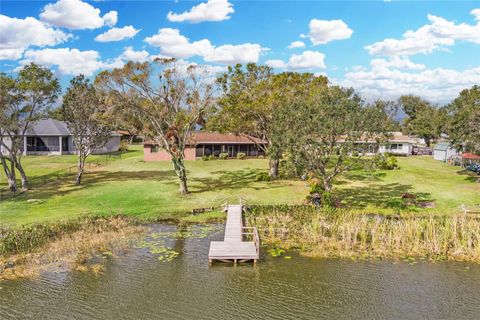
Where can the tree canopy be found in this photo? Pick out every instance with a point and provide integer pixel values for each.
(168, 97)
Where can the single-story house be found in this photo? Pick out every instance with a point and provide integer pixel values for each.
(398, 144)
(208, 143)
(443, 151)
(52, 137)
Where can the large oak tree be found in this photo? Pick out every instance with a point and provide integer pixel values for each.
(169, 97)
(24, 100)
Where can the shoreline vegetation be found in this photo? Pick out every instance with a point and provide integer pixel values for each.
(82, 244)
(76, 244)
(338, 233)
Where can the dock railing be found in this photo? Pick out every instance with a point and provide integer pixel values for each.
(253, 233)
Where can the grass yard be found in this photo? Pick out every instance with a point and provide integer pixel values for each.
(133, 187)
(147, 189)
(445, 186)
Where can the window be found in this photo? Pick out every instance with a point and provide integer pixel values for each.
(396, 146)
(154, 149)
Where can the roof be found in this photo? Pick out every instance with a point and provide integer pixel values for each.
(51, 127)
(48, 127)
(470, 156)
(443, 146)
(218, 138)
(396, 137)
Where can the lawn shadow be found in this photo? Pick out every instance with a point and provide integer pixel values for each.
(470, 176)
(382, 196)
(66, 185)
(230, 180)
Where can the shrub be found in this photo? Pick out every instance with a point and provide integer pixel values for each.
(211, 157)
(123, 146)
(241, 155)
(385, 161)
(261, 157)
(205, 158)
(223, 156)
(262, 176)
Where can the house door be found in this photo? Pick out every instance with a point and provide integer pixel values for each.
(230, 151)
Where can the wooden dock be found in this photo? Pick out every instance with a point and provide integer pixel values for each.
(235, 247)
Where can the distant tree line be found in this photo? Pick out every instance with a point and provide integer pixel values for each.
(304, 118)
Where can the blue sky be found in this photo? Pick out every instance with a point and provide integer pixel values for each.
(383, 49)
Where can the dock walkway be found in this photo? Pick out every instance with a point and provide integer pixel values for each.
(233, 247)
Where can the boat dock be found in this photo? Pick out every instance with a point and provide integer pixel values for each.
(240, 244)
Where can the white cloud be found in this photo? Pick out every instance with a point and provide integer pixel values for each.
(212, 10)
(434, 36)
(18, 34)
(117, 34)
(229, 54)
(308, 60)
(476, 14)
(396, 63)
(324, 31)
(296, 44)
(437, 85)
(137, 56)
(76, 14)
(69, 61)
(11, 54)
(172, 43)
(278, 64)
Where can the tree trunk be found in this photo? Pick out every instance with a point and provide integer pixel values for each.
(273, 168)
(81, 168)
(23, 175)
(10, 174)
(179, 167)
(427, 141)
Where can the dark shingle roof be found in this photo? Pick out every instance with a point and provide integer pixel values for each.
(51, 127)
(48, 127)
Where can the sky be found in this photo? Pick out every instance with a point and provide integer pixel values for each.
(383, 49)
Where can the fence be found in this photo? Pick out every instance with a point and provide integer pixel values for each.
(57, 176)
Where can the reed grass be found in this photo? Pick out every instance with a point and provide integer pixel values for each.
(22, 240)
(340, 233)
(71, 245)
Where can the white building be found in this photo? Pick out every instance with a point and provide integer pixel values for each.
(444, 151)
(52, 137)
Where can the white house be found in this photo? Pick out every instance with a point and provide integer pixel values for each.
(398, 144)
(444, 151)
(52, 137)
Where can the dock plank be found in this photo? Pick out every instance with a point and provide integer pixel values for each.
(233, 247)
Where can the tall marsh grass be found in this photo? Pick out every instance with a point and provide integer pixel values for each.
(337, 233)
(28, 238)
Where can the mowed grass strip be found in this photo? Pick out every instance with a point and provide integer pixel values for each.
(130, 186)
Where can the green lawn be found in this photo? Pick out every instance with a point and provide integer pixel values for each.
(131, 186)
(148, 189)
(447, 187)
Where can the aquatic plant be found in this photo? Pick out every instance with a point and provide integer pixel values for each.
(341, 233)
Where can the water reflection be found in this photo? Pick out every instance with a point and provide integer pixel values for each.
(139, 286)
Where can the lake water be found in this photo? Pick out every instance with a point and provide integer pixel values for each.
(138, 285)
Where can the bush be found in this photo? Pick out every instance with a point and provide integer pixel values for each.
(385, 161)
(205, 158)
(211, 157)
(261, 157)
(241, 155)
(223, 156)
(262, 176)
(123, 146)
